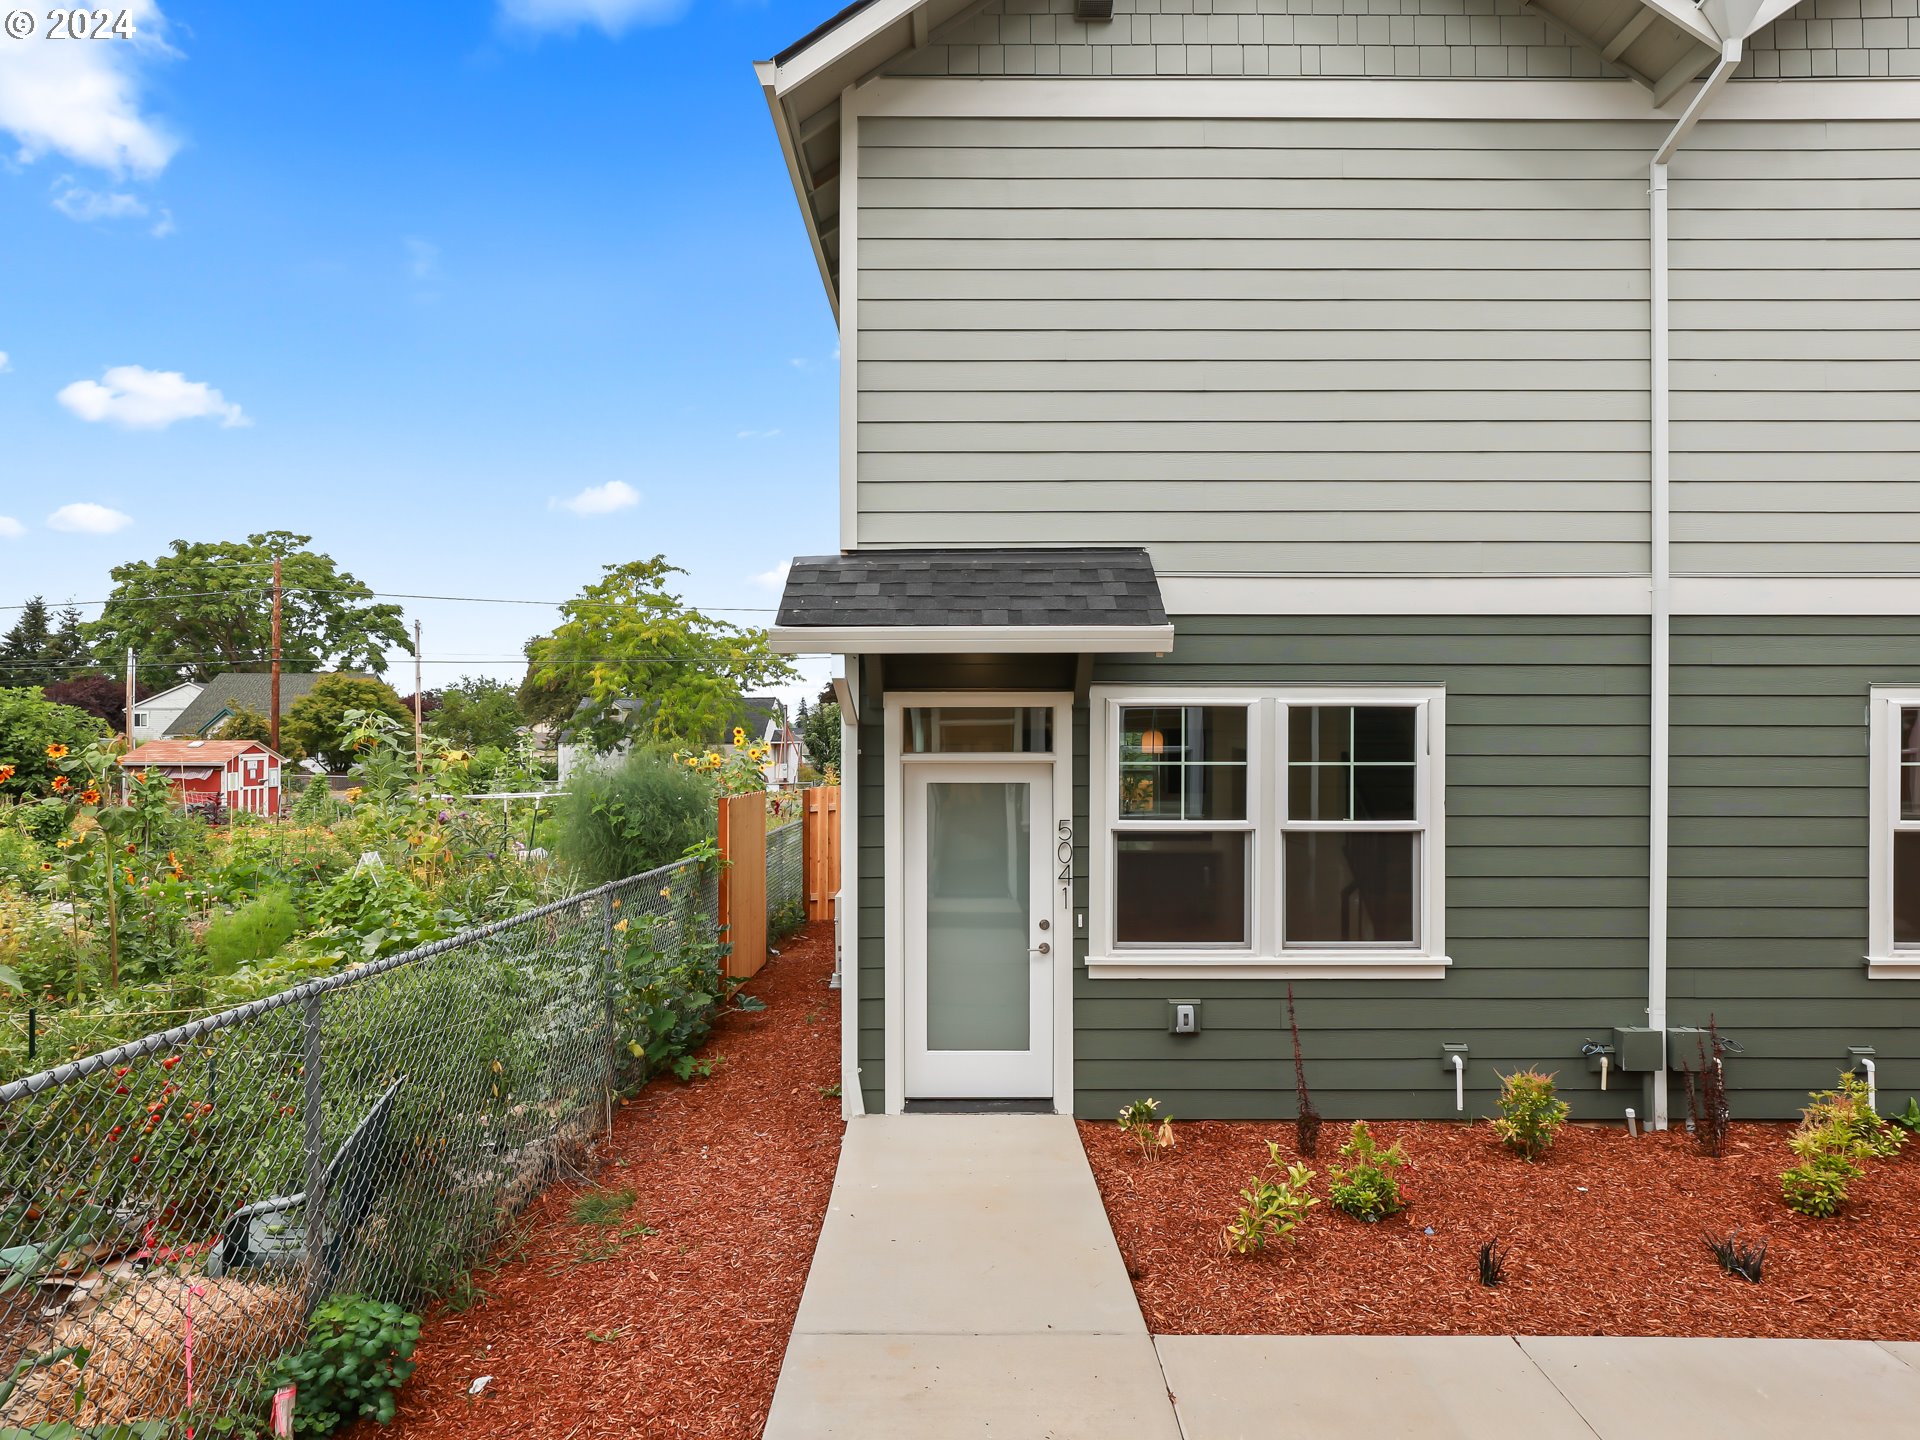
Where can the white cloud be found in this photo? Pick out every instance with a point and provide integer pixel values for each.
(755, 434)
(423, 258)
(4, 366)
(83, 99)
(76, 202)
(774, 579)
(600, 499)
(86, 518)
(799, 362)
(143, 399)
(10, 528)
(162, 227)
(610, 16)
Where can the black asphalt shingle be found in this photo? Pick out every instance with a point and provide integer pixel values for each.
(1081, 586)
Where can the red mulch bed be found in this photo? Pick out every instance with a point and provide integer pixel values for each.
(1605, 1239)
(733, 1172)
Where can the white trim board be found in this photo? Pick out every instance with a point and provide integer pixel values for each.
(972, 639)
(847, 313)
(1885, 960)
(1536, 594)
(1174, 97)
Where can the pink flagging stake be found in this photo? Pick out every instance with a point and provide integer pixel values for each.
(283, 1410)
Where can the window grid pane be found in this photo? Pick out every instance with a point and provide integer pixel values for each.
(1183, 762)
(1352, 762)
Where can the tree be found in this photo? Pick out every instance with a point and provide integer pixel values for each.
(820, 733)
(99, 695)
(317, 723)
(628, 638)
(25, 648)
(477, 712)
(29, 724)
(206, 607)
(245, 724)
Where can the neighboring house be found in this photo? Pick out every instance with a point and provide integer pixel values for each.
(236, 690)
(765, 721)
(1421, 506)
(238, 774)
(154, 718)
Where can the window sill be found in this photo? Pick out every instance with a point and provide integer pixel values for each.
(1343, 965)
(1902, 965)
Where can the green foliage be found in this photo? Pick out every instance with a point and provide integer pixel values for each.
(1143, 1123)
(603, 1207)
(322, 721)
(33, 652)
(626, 819)
(1838, 1131)
(20, 858)
(1530, 1114)
(1271, 1208)
(477, 712)
(29, 723)
(245, 724)
(668, 982)
(820, 732)
(218, 615)
(1367, 1189)
(315, 804)
(1909, 1118)
(382, 910)
(686, 671)
(253, 932)
(359, 1353)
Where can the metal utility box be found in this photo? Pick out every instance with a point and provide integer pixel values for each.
(1686, 1044)
(1637, 1047)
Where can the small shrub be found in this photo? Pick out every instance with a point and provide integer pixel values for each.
(1838, 1130)
(1272, 1209)
(629, 818)
(1492, 1260)
(253, 932)
(1306, 1119)
(603, 1207)
(1530, 1115)
(1818, 1186)
(1909, 1118)
(359, 1353)
(1367, 1189)
(1736, 1257)
(1143, 1123)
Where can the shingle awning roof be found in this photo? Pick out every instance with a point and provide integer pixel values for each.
(1068, 601)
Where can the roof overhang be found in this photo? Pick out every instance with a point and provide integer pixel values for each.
(971, 639)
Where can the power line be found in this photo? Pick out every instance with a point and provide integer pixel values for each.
(360, 593)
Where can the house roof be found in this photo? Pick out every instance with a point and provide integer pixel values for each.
(242, 690)
(1661, 45)
(214, 753)
(1084, 598)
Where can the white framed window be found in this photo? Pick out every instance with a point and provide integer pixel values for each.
(1280, 830)
(1893, 844)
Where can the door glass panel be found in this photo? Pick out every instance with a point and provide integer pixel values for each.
(979, 910)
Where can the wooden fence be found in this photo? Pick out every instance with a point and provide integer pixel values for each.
(743, 869)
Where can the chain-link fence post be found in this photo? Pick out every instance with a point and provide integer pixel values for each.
(314, 1139)
(609, 971)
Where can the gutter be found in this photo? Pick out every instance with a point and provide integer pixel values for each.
(1661, 680)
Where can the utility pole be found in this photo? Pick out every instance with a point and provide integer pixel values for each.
(419, 766)
(273, 696)
(130, 688)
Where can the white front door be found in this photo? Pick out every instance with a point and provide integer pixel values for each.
(980, 939)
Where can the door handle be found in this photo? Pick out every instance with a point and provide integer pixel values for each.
(1044, 949)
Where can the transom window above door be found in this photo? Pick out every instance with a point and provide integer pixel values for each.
(977, 730)
(1268, 828)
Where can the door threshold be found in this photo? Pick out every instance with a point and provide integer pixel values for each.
(980, 1107)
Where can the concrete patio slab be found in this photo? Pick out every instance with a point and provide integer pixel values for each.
(1907, 1351)
(1273, 1387)
(1627, 1389)
(971, 1387)
(966, 1225)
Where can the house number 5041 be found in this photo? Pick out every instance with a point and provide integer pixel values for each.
(1063, 855)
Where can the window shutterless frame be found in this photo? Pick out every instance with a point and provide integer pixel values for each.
(1886, 959)
(1266, 955)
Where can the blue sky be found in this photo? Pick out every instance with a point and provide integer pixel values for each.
(408, 278)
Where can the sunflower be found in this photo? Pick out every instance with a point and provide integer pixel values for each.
(56, 752)
(6, 773)
(60, 784)
(739, 735)
(46, 865)
(90, 796)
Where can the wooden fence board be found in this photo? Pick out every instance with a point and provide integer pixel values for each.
(821, 839)
(743, 881)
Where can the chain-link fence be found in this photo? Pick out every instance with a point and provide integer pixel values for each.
(171, 1210)
(786, 879)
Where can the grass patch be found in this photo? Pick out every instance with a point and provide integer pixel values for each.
(603, 1207)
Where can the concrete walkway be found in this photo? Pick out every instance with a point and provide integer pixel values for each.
(967, 1284)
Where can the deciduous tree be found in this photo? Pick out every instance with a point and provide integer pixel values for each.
(477, 712)
(317, 723)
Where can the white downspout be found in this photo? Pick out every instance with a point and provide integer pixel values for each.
(1661, 535)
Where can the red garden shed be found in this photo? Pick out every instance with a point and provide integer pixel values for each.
(240, 774)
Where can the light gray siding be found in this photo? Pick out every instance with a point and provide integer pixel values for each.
(1292, 347)
(1796, 342)
(1824, 38)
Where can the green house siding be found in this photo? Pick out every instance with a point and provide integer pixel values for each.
(1769, 858)
(1546, 863)
(871, 948)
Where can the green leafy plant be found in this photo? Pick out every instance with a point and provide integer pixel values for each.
(1142, 1122)
(1818, 1185)
(1530, 1113)
(629, 818)
(1909, 1118)
(359, 1353)
(1838, 1130)
(253, 932)
(603, 1207)
(1271, 1208)
(1366, 1189)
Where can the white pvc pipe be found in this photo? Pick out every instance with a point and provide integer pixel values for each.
(1866, 1064)
(1603, 1073)
(1459, 1082)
